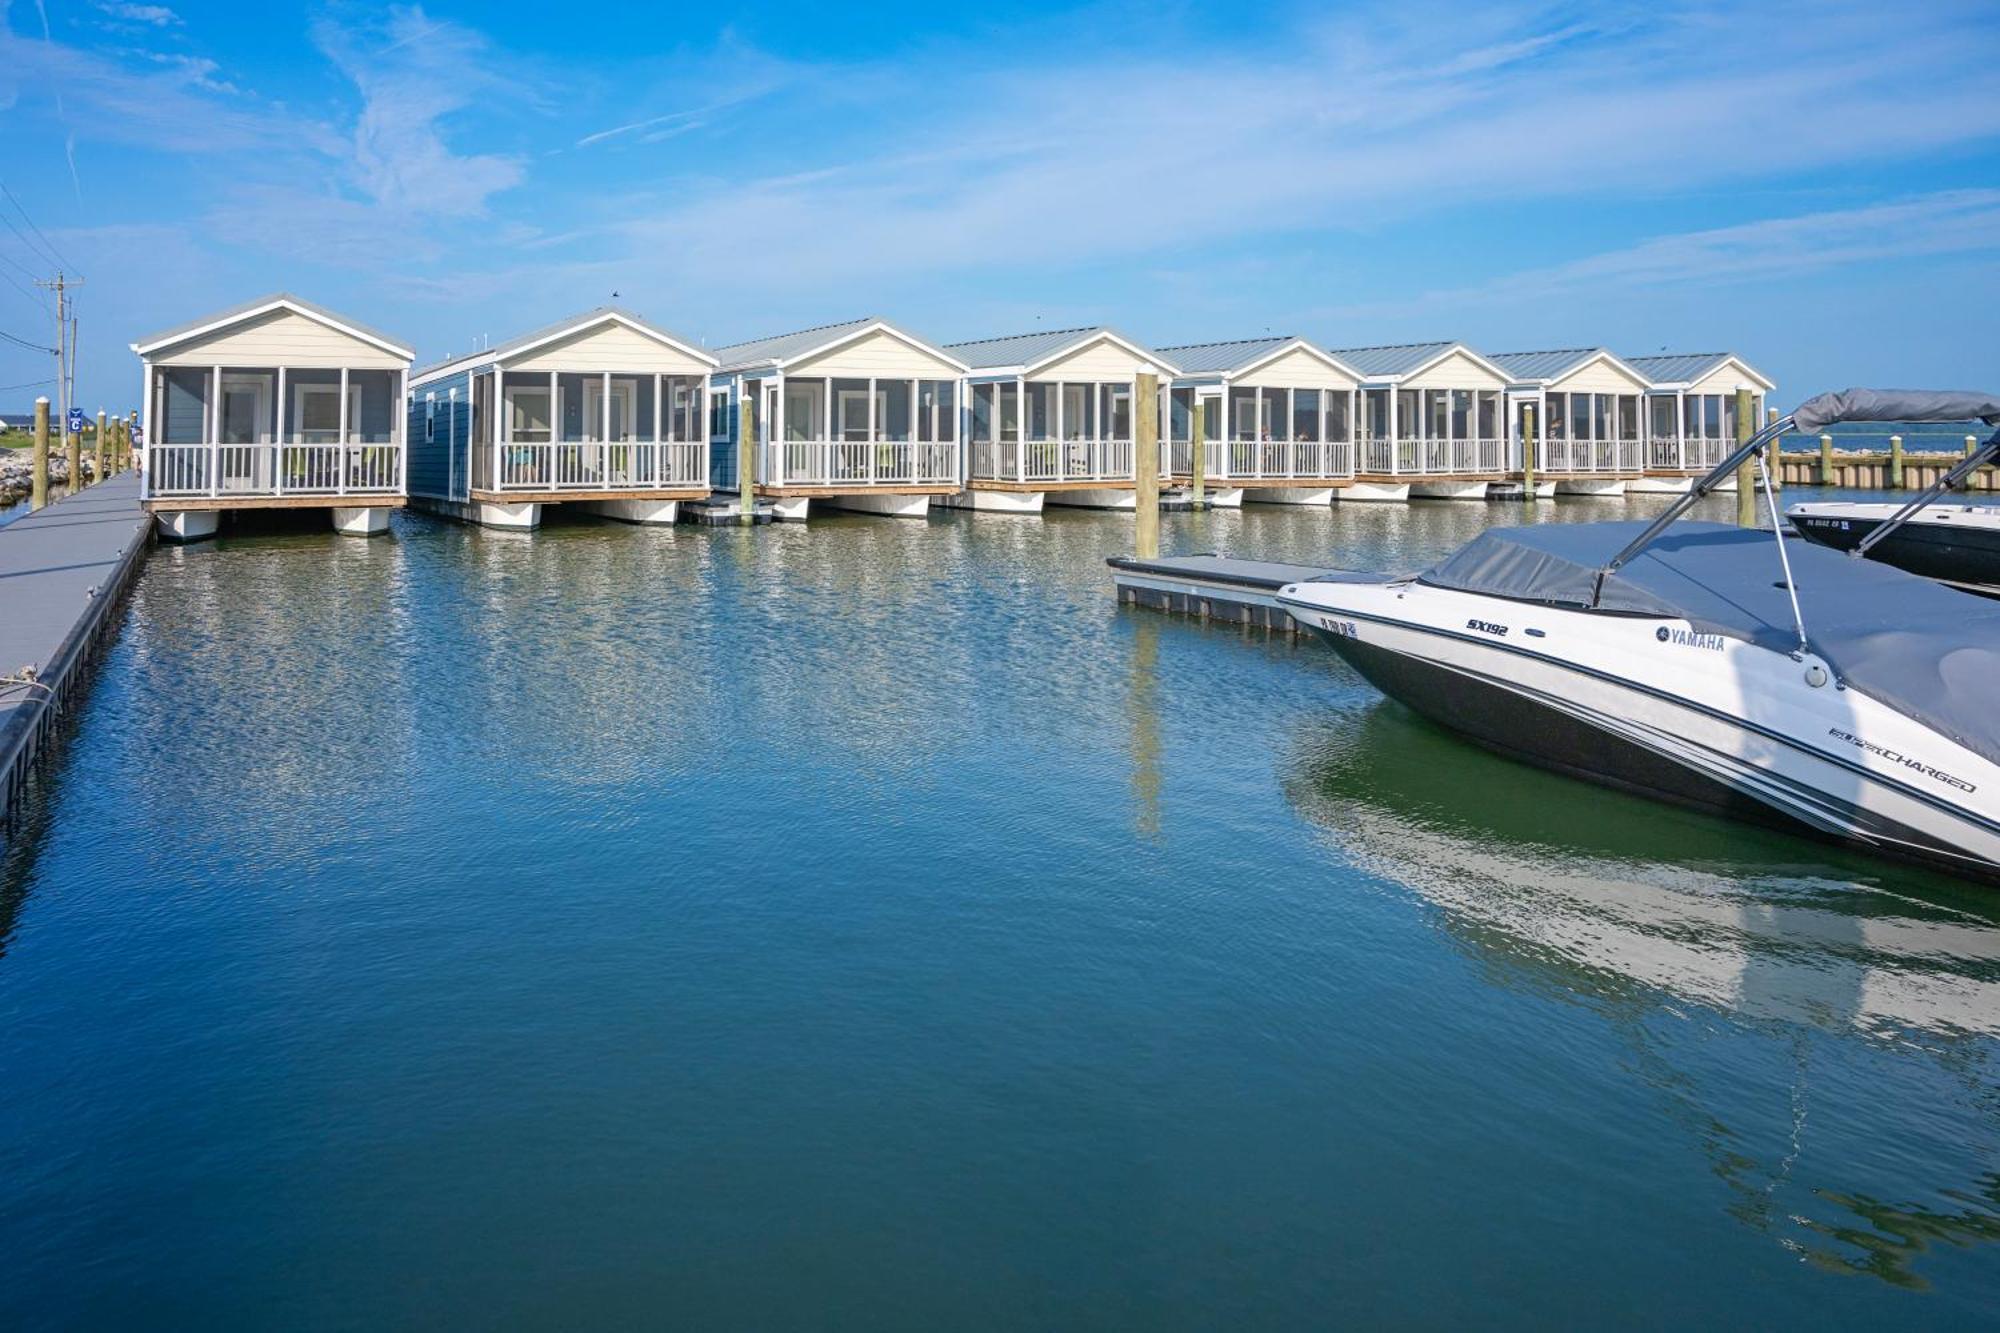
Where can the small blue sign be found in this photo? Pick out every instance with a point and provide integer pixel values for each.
(76, 421)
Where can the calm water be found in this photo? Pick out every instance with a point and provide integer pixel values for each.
(871, 925)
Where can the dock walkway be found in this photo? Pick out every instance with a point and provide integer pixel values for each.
(62, 570)
(1211, 587)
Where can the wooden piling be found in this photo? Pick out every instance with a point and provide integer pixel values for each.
(98, 454)
(1826, 460)
(1527, 453)
(746, 457)
(1746, 471)
(38, 494)
(1895, 462)
(1199, 429)
(1146, 465)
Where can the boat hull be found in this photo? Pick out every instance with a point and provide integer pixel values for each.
(1952, 544)
(1658, 709)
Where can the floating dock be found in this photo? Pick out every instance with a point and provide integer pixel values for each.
(64, 568)
(1211, 587)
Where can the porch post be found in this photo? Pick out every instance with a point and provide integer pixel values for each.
(278, 433)
(829, 428)
(604, 454)
(874, 430)
(1020, 428)
(1395, 448)
(212, 421)
(340, 454)
(659, 416)
(1680, 429)
(401, 427)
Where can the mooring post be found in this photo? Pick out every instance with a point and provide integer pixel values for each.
(1826, 460)
(38, 493)
(1746, 471)
(131, 424)
(1895, 462)
(1146, 464)
(746, 457)
(119, 448)
(97, 462)
(1198, 437)
(1527, 452)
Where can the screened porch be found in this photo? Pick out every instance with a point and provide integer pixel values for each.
(1052, 431)
(1434, 432)
(1265, 434)
(591, 431)
(855, 432)
(1592, 432)
(226, 431)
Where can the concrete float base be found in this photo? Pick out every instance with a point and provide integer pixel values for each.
(1312, 497)
(1516, 490)
(1659, 485)
(1095, 498)
(723, 512)
(1590, 486)
(504, 517)
(360, 520)
(1448, 490)
(1728, 483)
(994, 502)
(633, 511)
(1222, 497)
(889, 506)
(1374, 492)
(187, 525)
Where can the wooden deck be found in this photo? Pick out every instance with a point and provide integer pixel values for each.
(200, 503)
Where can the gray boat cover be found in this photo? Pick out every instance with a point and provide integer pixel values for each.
(1927, 650)
(1816, 414)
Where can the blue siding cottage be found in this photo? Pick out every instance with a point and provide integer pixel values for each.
(603, 411)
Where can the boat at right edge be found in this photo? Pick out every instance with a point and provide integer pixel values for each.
(1712, 666)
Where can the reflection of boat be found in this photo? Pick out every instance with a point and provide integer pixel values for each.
(1746, 975)
(1608, 891)
(1955, 544)
(1682, 662)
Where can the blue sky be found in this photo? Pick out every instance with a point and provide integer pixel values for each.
(1814, 185)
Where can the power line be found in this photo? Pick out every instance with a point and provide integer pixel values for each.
(54, 254)
(31, 384)
(23, 342)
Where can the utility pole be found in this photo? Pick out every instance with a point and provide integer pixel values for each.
(65, 346)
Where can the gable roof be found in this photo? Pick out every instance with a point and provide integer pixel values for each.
(1243, 355)
(1544, 367)
(1686, 367)
(1402, 360)
(248, 310)
(1029, 350)
(784, 348)
(561, 328)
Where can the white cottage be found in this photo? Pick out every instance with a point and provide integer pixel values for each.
(1050, 418)
(1691, 401)
(1433, 422)
(860, 415)
(1277, 415)
(273, 404)
(602, 411)
(1589, 413)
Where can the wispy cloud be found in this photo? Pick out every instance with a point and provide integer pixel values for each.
(153, 16)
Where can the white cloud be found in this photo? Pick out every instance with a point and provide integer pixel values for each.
(156, 16)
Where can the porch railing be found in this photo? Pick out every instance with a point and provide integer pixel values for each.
(1663, 455)
(228, 471)
(860, 463)
(1262, 460)
(1053, 460)
(1590, 455)
(592, 465)
(1381, 456)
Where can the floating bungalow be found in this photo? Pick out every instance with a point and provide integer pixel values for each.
(273, 404)
(1050, 418)
(603, 411)
(860, 415)
(1691, 401)
(1589, 421)
(1278, 419)
(1433, 422)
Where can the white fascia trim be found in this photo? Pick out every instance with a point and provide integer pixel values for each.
(879, 326)
(613, 317)
(1161, 366)
(1295, 345)
(243, 316)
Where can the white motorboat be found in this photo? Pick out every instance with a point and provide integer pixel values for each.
(1709, 665)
